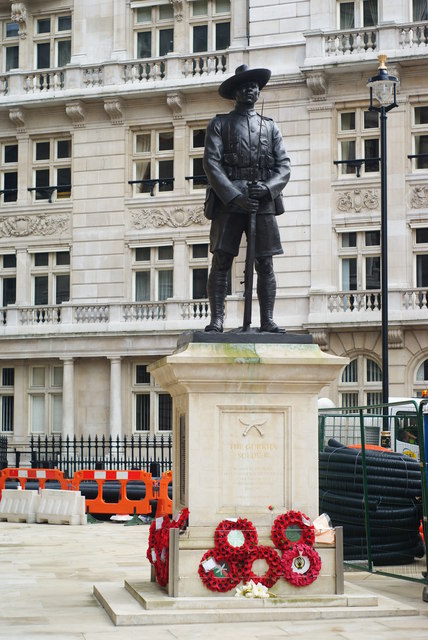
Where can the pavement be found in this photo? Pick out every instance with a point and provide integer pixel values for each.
(48, 573)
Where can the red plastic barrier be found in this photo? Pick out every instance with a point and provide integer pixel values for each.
(164, 506)
(125, 505)
(42, 475)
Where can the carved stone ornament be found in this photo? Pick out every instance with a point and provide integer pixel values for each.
(178, 9)
(76, 113)
(42, 225)
(18, 13)
(321, 338)
(419, 197)
(357, 200)
(114, 109)
(175, 218)
(395, 338)
(17, 117)
(317, 83)
(174, 101)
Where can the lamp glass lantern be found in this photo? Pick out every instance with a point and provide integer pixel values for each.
(383, 87)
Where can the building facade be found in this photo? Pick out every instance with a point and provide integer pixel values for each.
(103, 244)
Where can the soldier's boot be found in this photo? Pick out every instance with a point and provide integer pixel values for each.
(217, 289)
(266, 293)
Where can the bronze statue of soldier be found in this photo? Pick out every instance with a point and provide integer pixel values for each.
(247, 167)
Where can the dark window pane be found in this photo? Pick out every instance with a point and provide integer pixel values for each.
(165, 285)
(421, 148)
(373, 371)
(8, 377)
(12, 29)
(64, 52)
(43, 55)
(166, 253)
(199, 138)
(421, 115)
(11, 153)
(144, 44)
(166, 12)
(166, 141)
(63, 182)
(347, 121)
(369, 13)
(422, 271)
(42, 180)
(9, 261)
(62, 257)
(346, 15)
(166, 41)
(350, 372)
(41, 259)
(10, 181)
(371, 120)
(142, 376)
(372, 238)
(222, 35)
(371, 150)
(200, 251)
(42, 150)
(166, 170)
(198, 170)
(9, 291)
(199, 277)
(142, 286)
(349, 274)
(142, 412)
(7, 413)
(349, 239)
(12, 58)
(373, 272)
(422, 235)
(142, 254)
(62, 288)
(165, 412)
(44, 25)
(200, 38)
(63, 149)
(64, 23)
(41, 290)
(420, 10)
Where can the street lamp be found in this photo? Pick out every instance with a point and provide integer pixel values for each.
(383, 90)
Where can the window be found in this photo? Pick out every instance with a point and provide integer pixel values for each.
(7, 382)
(153, 162)
(10, 46)
(8, 278)
(197, 144)
(361, 383)
(154, 31)
(420, 10)
(360, 260)
(51, 277)
(45, 391)
(153, 269)
(152, 406)
(199, 270)
(420, 248)
(357, 13)
(52, 169)
(210, 24)
(358, 137)
(421, 382)
(420, 138)
(52, 41)
(9, 171)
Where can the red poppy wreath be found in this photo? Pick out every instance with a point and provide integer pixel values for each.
(235, 540)
(158, 549)
(273, 560)
(292, 528)
(301, 565)
(217, 572)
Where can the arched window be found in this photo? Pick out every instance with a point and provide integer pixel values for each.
(361, 383)
(421, 381)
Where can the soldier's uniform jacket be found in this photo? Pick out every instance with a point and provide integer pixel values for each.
(240, 148)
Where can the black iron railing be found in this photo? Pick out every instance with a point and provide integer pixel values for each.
(3, 452)
(148, 452)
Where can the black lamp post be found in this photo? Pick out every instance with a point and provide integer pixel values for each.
(383, 90)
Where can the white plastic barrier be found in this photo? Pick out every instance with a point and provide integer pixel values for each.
(61, 507)
(19, 506)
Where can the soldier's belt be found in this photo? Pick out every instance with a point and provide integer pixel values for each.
(246, 173)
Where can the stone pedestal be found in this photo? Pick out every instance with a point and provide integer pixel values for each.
(245, 438)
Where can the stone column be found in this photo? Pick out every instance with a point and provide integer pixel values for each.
(68, 398)
(23, 283)
(119, 31)
(115, 397)
(181, 266)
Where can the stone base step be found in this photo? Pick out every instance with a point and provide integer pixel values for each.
(145, 603)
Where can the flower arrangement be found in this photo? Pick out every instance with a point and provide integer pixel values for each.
(158, 548)
(235, 540)
(273, 561)
(301, 565)
(218, 573)
(253, 590)
(291, 528)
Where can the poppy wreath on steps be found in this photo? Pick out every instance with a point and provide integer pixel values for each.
(158, 549)
(217, 572)
(235, 540)
(301, 565)
(274, 572)
(292, 528)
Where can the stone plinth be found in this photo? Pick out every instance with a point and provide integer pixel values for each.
(245, 437)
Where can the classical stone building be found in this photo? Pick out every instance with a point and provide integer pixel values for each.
(103, 243)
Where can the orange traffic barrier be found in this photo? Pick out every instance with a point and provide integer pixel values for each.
(164, 506)
(125, 505)
(41, 475)
(370, 447)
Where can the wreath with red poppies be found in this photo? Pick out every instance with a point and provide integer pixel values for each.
(234, 540)
(217, 572)
(292, 528)
(274, 572)
(158, 548)
(301, 565)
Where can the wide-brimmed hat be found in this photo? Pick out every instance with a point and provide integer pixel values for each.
(242, 75)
